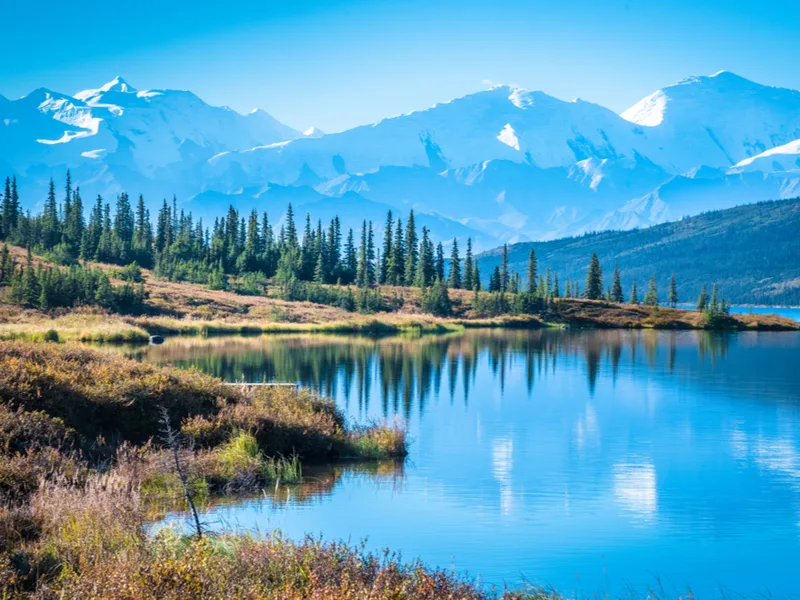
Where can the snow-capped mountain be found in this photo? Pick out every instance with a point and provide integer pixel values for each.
(716, 121)
(502, 123)
(120, 137)
(508, 163)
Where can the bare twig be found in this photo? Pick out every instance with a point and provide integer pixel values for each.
(172, 439)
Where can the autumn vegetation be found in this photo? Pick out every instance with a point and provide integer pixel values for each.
(83, 459)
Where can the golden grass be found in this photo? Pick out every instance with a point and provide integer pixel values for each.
(79, 325)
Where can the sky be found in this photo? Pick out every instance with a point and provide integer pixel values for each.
(340, 63)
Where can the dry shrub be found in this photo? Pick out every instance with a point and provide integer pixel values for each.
(18, 525)
(378, 442)
(21, 431)
(285, 421)
(20, 474)
(86, 523)
(100, 394)
(272, 569)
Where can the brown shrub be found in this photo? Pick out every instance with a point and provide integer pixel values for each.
(102, 395)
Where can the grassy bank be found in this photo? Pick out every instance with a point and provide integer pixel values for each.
(181, 308)
(78, 325)
(606, 315)
(68, 411)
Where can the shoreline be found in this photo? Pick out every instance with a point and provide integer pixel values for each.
(118, 329)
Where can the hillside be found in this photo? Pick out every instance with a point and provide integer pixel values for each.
(752, 252)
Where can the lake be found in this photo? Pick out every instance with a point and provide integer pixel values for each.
(597, 462)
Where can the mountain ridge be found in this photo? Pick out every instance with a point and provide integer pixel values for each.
(514, 164)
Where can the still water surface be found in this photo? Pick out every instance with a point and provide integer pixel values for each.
(595, 462)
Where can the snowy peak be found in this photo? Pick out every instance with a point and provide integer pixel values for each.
(116, 86)
(140, 131)
(723, 87)
(723, 91)
(716, 120)
(313, 132)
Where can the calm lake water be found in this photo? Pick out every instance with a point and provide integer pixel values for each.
(596, 462)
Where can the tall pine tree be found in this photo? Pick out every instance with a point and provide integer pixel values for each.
(454, 279)
(594, 280)
(616, 287)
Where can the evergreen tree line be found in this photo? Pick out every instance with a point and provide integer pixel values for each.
(508, 295)
(242, 254)
(54, 287)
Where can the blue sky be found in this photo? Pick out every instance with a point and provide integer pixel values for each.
(340, 63)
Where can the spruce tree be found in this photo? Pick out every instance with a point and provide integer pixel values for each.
(249, 258)
(30, 283)
(142, 234)
(702, 299)
(91, 237)
(397, 262)
(476, 278)
(454, 279)
(6, 265)
(496, 280)
(123, 229)
(412, 254)
(370, 255)
(386, 255)
(291, 230)
(308, 251)
(594, 280)
(50, 226)
(362, 273)
(673, 292)
(651, 297)
(548, 283)
(513, 283)
(439, 263)
(616, 287)
(426, 269)
(350, 256)
(436, 299)
(469, 268)
(75, 225)
(333, 250)
(532, 268)
(67, 207)
(634, 294)
(6, 224)
(319, 270)
(104, 252)
(163, 225)
(556, 290)
(15, 209)
(504, 269)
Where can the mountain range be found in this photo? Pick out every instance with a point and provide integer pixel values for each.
(504, 164)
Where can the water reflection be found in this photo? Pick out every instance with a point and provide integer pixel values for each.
(411, 370)
(592, 461)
